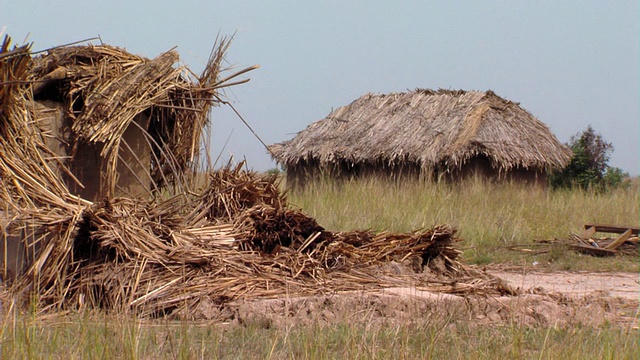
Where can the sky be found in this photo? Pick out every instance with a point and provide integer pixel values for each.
(570, 63)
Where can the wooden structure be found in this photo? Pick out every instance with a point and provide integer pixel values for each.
(586, 244)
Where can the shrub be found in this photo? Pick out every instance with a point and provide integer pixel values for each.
(273, 171)
(588, 167)
(614, 177)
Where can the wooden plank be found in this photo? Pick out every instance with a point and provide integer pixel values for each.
(588, 233)
(617, 229)
(619, 241)
(593, 250)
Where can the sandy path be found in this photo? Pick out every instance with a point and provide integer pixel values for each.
(614, 284)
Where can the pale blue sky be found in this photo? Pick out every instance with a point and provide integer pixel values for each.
(570, 63)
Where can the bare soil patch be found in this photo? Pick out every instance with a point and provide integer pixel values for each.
(545, 299)
(576, 284)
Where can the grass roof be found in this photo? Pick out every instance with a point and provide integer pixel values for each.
(429, 128)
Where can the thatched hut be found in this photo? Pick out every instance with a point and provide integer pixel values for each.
(424, 133)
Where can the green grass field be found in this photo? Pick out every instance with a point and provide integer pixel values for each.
(490, 218)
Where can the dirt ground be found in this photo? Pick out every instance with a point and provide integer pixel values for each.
(576, 284)
(545, 299)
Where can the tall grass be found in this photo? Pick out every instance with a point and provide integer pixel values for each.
(94, 336)
(489, 217)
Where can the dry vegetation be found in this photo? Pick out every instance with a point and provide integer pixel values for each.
(177, 249)
(134, 277)
(238, 240)
(87, 336)
(491, 218)
(391, 129)
(381, 331)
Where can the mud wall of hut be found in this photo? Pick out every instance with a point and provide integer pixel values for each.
(480, 167)
(85, 162)
(305, 172)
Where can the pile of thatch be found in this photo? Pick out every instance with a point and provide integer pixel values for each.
(161, 257)
(234, 237)
(427, 130)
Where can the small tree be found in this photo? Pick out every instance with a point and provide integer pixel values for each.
(588, 167)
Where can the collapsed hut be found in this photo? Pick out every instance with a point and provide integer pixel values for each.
(427, 134)
(85, 123)
(118, 122)
(104, 204)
